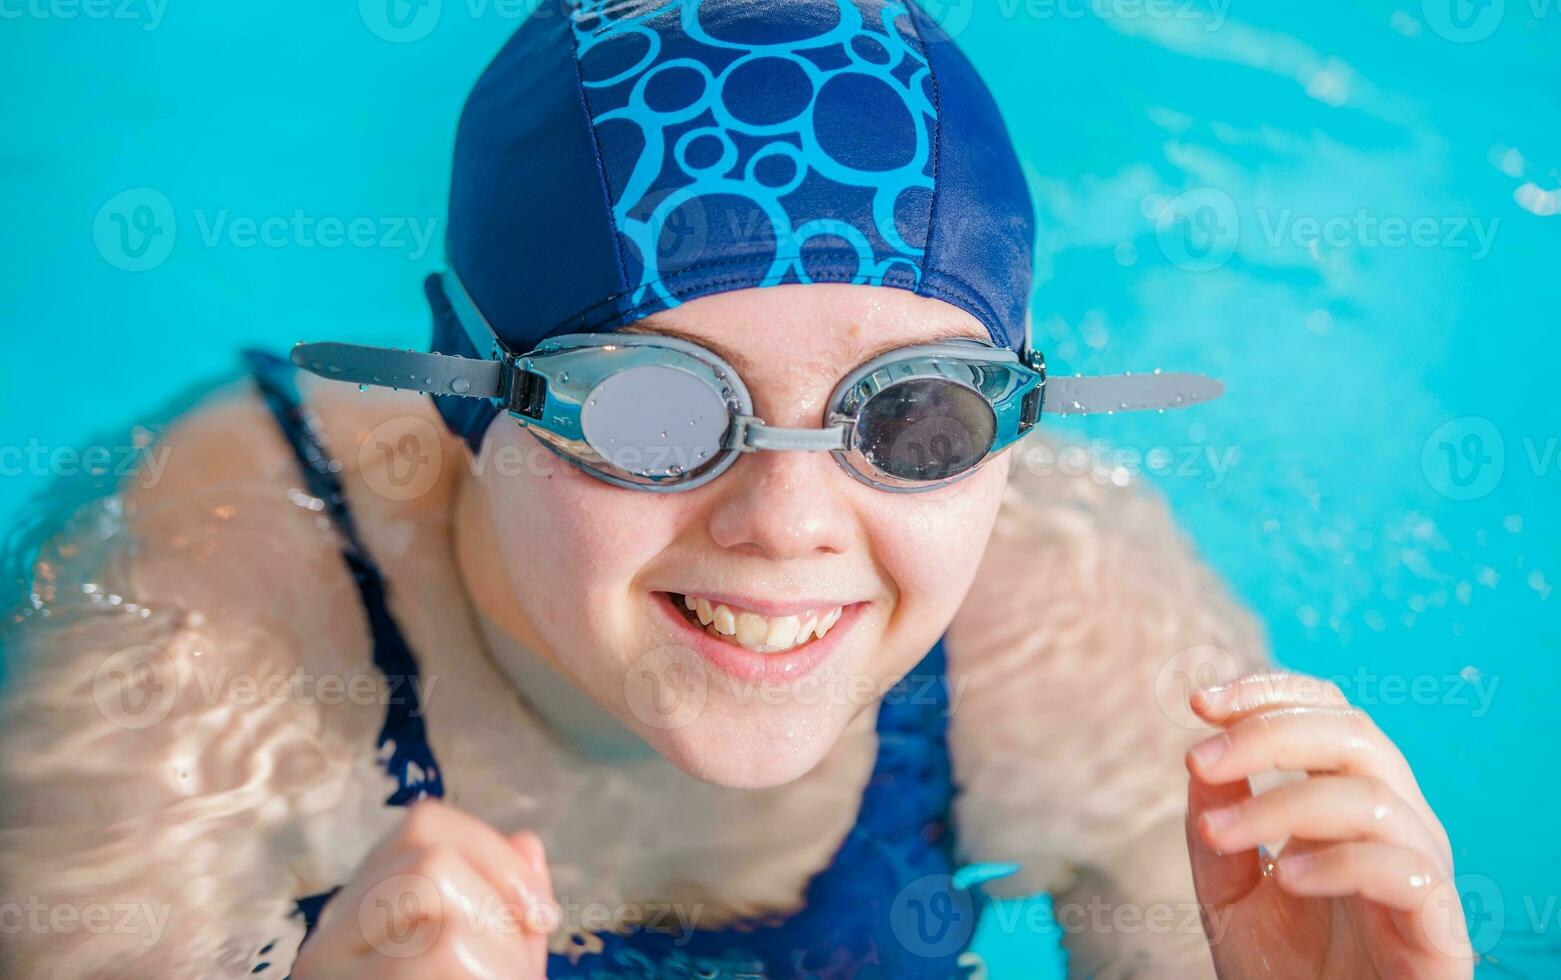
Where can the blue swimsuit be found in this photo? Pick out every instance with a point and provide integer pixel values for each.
(888, 906)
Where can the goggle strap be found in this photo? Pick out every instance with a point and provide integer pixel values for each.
(476, 326)
(434, 374)
(1105, 394)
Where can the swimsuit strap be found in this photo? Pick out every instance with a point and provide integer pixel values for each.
(403, 739)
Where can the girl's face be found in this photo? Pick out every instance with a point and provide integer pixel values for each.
(592, 577)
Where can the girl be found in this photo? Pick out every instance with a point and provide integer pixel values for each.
(658, 641)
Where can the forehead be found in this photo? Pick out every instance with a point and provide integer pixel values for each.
(845, 323)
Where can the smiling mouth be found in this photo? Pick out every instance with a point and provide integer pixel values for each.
(752, 631)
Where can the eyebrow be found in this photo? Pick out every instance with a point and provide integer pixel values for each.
(654, 325)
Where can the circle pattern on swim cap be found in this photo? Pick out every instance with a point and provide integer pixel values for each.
(800, 145)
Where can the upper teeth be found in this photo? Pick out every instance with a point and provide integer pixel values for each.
(764, 634)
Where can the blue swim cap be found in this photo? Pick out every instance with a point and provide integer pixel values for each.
(620, 157)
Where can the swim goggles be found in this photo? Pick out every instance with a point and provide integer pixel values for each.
(650, 412)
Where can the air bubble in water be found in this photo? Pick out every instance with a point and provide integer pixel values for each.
(460, 386)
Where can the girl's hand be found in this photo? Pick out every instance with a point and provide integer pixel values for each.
(444, 897)
(1363, 886)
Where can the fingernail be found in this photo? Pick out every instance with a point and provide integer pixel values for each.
(1296, 866)
(1221, 817)
(1209, 751)
(1212, 700)
(531, 850)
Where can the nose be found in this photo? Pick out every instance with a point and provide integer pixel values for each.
(783, 504)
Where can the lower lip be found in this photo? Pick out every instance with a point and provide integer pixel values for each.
(747, 665)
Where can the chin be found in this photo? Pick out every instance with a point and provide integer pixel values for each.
(752, 747)
(740, 718)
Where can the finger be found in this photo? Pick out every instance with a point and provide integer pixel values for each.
(529, 846)
(1423, 905)
(471, 956)
(1398, 877)
(518, 879)
(421, 904)
(1322, 808)
(533, 964)
(1228, 703)
(534, 856)
(1219, 876)
(406, 836)
(415, 888)
(1317, 740)
(1338, 741)
(457, 957)
(391, 850)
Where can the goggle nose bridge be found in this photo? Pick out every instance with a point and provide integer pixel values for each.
(750, 433)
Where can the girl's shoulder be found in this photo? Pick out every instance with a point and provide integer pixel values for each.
(232, 506)
(388, 450)
(190, 684)
(1070, 664)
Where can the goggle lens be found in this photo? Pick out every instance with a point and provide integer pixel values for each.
(924, 430)
(654, 422)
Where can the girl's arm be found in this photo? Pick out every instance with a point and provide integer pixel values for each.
(1071, 663)
(168, 765)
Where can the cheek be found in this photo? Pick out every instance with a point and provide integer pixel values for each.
(570, 543)
(931, 544)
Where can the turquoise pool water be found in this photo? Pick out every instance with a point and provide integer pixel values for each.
(1348, 211)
